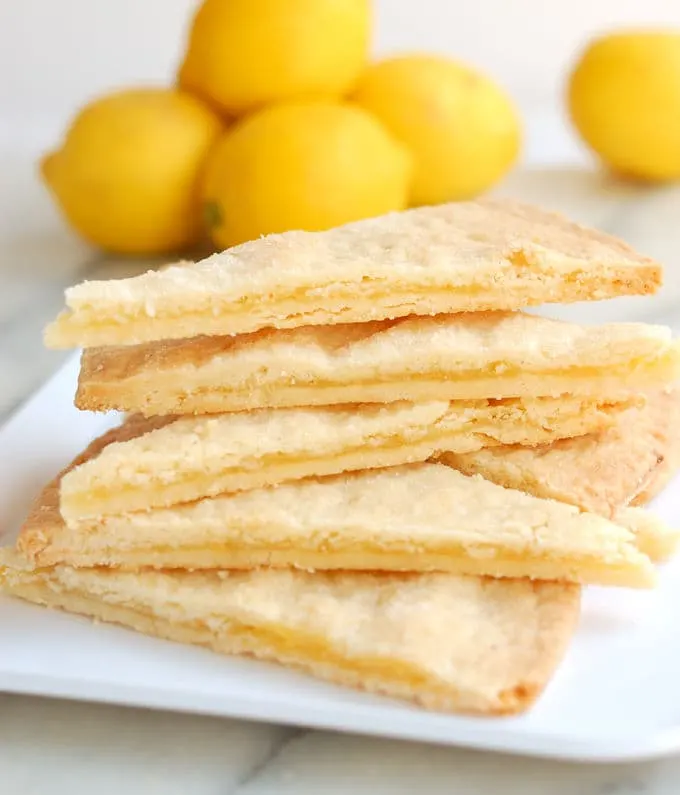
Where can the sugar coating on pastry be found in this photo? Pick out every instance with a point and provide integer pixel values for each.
(194, 457)
(448, 357)
(466, 256)
(448, 643)
(600, 472)
(418, 517)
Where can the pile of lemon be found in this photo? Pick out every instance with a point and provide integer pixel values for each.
(278, 120)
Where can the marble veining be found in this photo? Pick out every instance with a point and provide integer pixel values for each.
(92, 748)
(64, 747)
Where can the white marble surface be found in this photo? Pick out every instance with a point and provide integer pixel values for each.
(63, 747)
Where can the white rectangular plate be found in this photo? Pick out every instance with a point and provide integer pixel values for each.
(616, 696)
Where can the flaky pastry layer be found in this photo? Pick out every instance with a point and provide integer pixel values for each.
(467, 256)
(600, 472)
(419, 517)
(449, 643)
(448, 357)
(195, 457)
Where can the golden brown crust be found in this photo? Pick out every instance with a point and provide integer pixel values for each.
(413, 518)
(467, 256)
(195, 457)
(448, 357)
(627, 463)
(453, 644)
(44, 516)
(667, 437)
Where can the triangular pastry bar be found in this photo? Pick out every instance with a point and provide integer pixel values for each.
(448, 357)
(453, 644)
(420, 517)
(627, 463)
(194, 457)
(466, 256)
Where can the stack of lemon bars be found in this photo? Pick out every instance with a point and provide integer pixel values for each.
(351, 453)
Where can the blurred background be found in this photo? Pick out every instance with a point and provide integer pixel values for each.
(57, 55)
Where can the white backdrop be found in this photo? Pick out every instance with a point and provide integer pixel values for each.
(54, 54)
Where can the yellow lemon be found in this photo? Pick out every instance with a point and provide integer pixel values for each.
(243, 54)
(624, 99)
(307, 165)
(127, 175)
(461, 127)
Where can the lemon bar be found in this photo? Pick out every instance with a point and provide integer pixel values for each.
(466, 256)
(448, 643)
(419, 517)
(188, 458)
(448, 357)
